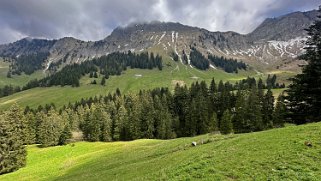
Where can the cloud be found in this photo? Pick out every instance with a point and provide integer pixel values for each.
(95, 19)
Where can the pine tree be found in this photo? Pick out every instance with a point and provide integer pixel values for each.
(280, 112)
(213, 124)
(268, 109)
(147, 116)
(304, 93)
(226, 126)
(253, 111)
(105, 123)
(50, 129)
(91, 126)
(12, 151)
(120, 120)
(133, 107)
(240, 123)
(181, 107)
(190, 128)
(103, 81)
(29, 134)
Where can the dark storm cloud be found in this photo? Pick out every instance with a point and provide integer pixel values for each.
(95, 19)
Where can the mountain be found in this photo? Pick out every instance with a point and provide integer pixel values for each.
(275, 43)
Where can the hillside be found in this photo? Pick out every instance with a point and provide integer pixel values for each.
(278, 154)
(132, 80)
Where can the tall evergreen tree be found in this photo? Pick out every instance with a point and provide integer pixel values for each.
(120, 120)
(226, 126)
(253, 111)
(133, 107)
(268, 109)
(147, 116)
(103, 81)
(12, 151)
(304, 93)
(29, 134)
(213, 124)
(50, 129)
(279, 114)
(240, 123)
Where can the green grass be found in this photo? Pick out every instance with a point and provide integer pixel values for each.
(278, 154)
(16, 80)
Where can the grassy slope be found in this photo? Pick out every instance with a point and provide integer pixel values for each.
(270, 155)
(16, 80)
(128, 81)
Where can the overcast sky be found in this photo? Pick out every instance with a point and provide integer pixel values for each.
(95, 19)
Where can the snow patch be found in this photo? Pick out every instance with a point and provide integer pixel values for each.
(179, 56)
(162, 36)
(173, 34)
(48, 64)
(164, 46)
(212, 66)
(283, 46)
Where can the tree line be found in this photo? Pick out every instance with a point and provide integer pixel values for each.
(27, 64)
(198, 60)
(227, 64)
(112, 64)
(161, 114)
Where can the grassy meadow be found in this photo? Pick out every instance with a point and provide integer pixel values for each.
(278, 154)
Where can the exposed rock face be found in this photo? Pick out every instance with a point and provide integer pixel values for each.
(285, 27)
(276, 42)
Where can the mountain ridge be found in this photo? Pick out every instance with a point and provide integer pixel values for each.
(263, 47)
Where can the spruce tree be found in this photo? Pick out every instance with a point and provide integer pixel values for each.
(50, 129)
(160, 124)
(147, 116)
(304, 93)
(226, 126)
(91, 126)
(240, 123)
(12, 151)
(133, 107)
(253, 111)
(213, 124)
(29, 134)
(120, 120)
(192, 117)
(268, 109)
(103, 81)
(279, 114)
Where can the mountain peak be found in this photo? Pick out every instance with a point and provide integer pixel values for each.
(285, 27)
